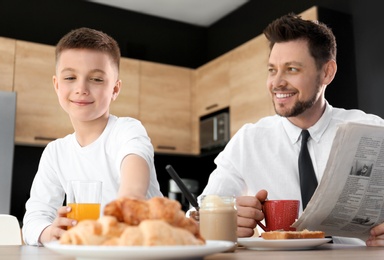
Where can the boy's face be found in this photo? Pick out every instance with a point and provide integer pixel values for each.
(86, 82)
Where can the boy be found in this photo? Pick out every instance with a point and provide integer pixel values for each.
(116, 151)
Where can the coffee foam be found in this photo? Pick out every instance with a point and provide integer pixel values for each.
(215, 201)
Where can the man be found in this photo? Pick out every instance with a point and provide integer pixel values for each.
(262, 158)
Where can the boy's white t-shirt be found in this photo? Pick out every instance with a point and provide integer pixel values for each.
(64, 160)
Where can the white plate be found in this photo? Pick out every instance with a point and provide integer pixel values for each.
(258, 243)
(140, 252)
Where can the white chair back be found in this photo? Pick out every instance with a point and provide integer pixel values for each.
(10, 233)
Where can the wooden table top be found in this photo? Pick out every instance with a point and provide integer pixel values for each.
(327, 251)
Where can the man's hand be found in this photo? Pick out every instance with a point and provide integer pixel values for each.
(249, 212)
(377, 236)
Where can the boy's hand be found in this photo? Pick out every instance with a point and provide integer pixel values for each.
(58, 227)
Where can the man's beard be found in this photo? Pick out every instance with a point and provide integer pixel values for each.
(300, 106)
(297, 109)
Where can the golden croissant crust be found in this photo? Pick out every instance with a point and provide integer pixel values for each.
(155, 233)
(93, 232)
(133, 211)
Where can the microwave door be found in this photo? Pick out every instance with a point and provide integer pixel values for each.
(214, 131)
(206, 133)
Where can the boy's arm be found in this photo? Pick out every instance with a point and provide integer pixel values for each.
(134, 177)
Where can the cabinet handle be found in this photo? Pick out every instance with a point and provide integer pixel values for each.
(211, 106)
(165, 147)
(42, 138)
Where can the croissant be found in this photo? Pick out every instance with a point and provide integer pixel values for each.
(130, 211)
(132, 222)
(134, 211)
(111, 227)
(154, 233)
(93, 232)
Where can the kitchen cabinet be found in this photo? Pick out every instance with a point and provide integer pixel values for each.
(7, 54)
(310, 14)
(236, 80)
(39, 116)
(127, 103)
(165, 106)
(210, 93)
(250, 99)
(240, 84)
(212, 86)
(195, 119)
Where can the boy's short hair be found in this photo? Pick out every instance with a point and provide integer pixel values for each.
(91, 39)
(320, 38)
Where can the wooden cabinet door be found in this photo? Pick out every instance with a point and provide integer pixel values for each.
(39, 116)
(250, 99)
(212, 86)
(127, 103)
(7, 60)
(310, 14)
(165, 106)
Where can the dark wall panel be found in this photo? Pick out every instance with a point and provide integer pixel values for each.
(139, 36)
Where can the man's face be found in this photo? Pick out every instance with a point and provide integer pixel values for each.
(293, 78)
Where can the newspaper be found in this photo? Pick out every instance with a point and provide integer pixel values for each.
(349, 200)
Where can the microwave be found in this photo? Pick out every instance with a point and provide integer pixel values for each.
(214, 131)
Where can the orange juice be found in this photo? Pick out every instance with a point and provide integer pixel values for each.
(81, 211)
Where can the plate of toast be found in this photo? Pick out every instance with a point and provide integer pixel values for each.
(285, 240)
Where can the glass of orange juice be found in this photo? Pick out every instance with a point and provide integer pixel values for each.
(84, 198)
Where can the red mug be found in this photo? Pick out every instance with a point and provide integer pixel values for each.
(280, 214)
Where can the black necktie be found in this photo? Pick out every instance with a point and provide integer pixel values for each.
(308, 181)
